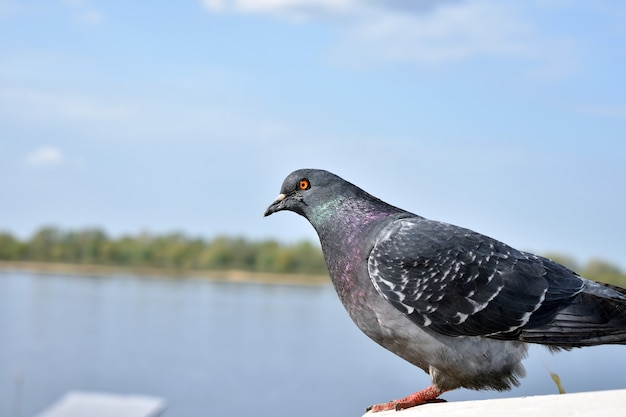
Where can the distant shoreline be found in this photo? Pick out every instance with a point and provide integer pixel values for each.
(213, 275)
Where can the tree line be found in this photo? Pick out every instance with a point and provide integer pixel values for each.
(174, 251)
(177, 251)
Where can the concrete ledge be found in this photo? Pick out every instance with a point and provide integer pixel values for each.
(100, 404)
(583, 404)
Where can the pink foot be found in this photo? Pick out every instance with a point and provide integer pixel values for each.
(427, 395)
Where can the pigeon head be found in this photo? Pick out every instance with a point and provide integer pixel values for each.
(327, 200)
(307, 190)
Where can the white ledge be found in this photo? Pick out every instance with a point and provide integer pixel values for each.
(101, 404)
(583, 404)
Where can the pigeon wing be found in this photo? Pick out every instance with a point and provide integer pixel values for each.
(461, 283)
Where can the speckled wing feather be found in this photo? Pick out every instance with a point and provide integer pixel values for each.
(461, 283)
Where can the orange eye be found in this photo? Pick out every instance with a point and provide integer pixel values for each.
(304, 184)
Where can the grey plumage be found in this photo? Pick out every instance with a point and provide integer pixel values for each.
(458, 304)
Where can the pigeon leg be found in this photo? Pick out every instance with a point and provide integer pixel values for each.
(427, 395)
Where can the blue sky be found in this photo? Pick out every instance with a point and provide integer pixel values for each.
(505, 117)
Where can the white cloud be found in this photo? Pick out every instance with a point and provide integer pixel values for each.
(44, 156)
(90, 18)
(74, 3)
(83, 14)
(421, 32)
(315, 9)
(290, 9)
(448, 33)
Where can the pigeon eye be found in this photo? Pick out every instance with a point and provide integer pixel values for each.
(304, 184)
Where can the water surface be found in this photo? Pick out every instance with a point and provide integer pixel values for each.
(221, 349)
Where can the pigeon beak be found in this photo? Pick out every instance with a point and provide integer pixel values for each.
(277, 205)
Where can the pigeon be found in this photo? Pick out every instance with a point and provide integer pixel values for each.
(460, 305)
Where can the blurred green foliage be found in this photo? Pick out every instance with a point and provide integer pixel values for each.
(171, 251)
(180, 252)
(595, 269)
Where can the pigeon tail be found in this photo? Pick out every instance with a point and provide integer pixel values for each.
(597, 315)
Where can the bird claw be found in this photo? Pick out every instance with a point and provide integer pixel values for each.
(400, 405)
(429, 395)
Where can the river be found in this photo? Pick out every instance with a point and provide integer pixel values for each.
(213, 348)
